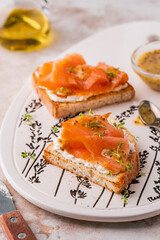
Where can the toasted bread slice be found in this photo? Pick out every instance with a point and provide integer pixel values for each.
(115, 183)
(63, 109)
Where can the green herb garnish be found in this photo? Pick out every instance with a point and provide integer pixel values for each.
(61, 89)
(109, 173)
(111, 74)
(125, 200)
(80, 114)
(94, 125)
(27, 118)
(55, 129)
(90, 112)
(27, 154)
(24, 154)
(143, 173)
(72, 70)
(100, 134)
(127, 166)
(118, 125)
(125, 196)
(136, 138)
(108, 152)
(120, 145)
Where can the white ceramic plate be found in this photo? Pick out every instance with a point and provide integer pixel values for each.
(59, 191)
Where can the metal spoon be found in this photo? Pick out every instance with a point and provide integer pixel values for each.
(149, 114)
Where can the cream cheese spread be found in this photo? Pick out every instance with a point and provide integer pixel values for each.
(56, 98)
(120, 87)
(78, 161)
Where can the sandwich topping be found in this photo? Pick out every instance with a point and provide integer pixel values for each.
(92, 139)
(71, 79)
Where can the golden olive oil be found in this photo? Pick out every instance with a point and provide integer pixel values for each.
(25, 30)
(138, 121)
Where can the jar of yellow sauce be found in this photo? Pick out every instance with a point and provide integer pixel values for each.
(146, 63)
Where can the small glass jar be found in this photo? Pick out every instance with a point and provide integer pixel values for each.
(24, 24)
(151, 79)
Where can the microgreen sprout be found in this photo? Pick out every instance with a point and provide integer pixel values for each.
(108, 152)
(126, 192)
(28, 154)
(90, 112)
(32, 156)
(125, 200)
(100, 134)
(109, 173)
(125, 196)
(24, 154)
(61, 89)
(27, 118)
(127, 166)
(80, 114)
(143, 173)
(111, 74)
(120, 145)
(55, 129)
(118, 125)
(72, 70)
(136, 138)
(94, 125)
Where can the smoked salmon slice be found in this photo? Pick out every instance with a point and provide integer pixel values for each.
(117, 77)
(72, 76)
(95, 140)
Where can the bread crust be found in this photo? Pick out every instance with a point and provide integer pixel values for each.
(115, 183)
(63, 109)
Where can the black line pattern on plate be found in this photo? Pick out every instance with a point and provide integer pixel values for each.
(78, 193)
(99, 197)
(156, 149)
(126, 114)
(32, 107)
(110, 200)
(59, 182)
(38, 169)
(37, 143)
(157, 184)
(127, 192)
(36, 146)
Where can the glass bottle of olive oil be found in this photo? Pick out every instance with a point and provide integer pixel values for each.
(25, 29)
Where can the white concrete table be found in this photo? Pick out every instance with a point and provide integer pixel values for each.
(73, 21)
